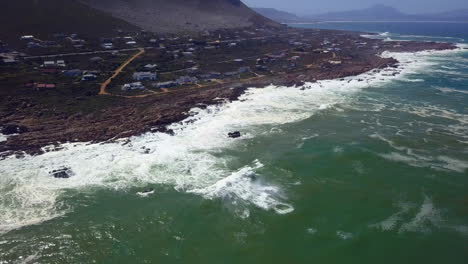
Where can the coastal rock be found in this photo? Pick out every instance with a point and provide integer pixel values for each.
(63, 173)
(146, 192)
(236, 134)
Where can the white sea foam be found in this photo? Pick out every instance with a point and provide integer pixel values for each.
(4, 137)
(311, 230)
(438, 163)
(411, 218)
(451, 90)
(344, 235)
(243, 184)
(189, 160)
(454, 164)
(392, 221)
(428, 216)
(413, 80)
(401, 37)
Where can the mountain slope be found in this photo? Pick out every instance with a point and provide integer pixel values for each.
(46, 17)
(278, 15)
(171, 16)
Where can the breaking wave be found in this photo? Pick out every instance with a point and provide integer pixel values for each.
(190, 160)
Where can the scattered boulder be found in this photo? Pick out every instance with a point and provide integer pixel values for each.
(146, 150)
(146, 192)
(63, 173)
(236, 134)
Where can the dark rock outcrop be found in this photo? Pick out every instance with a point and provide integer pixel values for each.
(236, 134)
(13, 129)
(63, 173)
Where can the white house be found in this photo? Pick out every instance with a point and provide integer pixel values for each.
(133, 86)
(27, 37)
(144, 76)
(49, 64)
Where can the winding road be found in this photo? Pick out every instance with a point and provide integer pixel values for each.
(102, 90)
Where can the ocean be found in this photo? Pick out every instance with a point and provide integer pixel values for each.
(338, 171)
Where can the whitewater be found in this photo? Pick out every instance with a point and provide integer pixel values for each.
(199, 158)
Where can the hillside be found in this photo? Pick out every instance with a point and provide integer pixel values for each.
(278, 15)
(172, 16)
(46, 17)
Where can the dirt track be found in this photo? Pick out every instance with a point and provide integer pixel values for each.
(102, 90)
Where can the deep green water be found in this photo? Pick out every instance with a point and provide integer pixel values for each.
(337, 172)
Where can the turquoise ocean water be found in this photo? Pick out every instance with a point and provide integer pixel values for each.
(339, 171)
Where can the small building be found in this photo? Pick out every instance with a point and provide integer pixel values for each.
(88, 77)
(73, 73)
(133, 86)
(131, 43)
(261, 68)
(204, 76)
(27, 37)
(231, 74)
(44, 86)
(186, 80)
(168, 84)
(48, 64)
(334, 62)
(32, 45)
(150, 66)
(210, 76)
(9, 61)
(233, 44)
(107, 45)
(215, 74)
(192, 70)
(144, 76)
(238, 60)
(295, 58)
(75, 41)
(244, 69)
(96, 59)
(49, 44)
(61, 63)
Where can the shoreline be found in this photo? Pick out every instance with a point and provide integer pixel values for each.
(370, 21)
(165, 109)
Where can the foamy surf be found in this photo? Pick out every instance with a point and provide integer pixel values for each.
(189, 161)
(417, 218)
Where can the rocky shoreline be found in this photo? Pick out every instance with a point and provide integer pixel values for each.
(134, 116)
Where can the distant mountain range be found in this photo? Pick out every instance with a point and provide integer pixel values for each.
(373, 13)
(279, 16)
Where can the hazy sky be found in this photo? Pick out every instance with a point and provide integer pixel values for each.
(318, 6)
